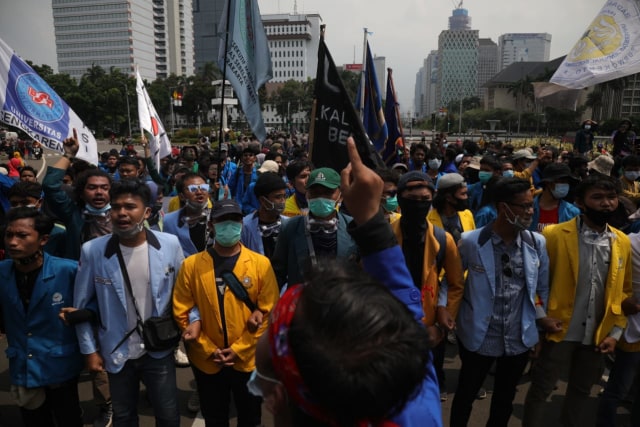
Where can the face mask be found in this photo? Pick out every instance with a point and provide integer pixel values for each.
(195, 206)
(434, 164)
(445, 145)
(599, 218)
(560, 191)
(129, 233)
(254, 387)
(587, 127)
(94, 211)
(507, 173)
(461, 204)
(322, 207)
(632, 175)
(228, 233)
(484, 176)
(391, 204)
(273, 206)
(414, 211)
(516, 221)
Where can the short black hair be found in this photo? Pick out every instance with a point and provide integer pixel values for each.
(29, 168)
(631, 160)
(492, 162)
(128, 160)
(419, 146)
(389, 175)
(187, 176)
(602, 182)
(83, 177)
(26, 189)
(506, 189)
(267, 183)
(41, 222)
(135, 187)
(295, 168)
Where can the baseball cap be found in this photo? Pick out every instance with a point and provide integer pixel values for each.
(225, 207)
(269, 166)
(326, 177)
(524, 154)
(449, 180)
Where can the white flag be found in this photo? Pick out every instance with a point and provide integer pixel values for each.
(609, 49)
(159, 143)
(28, 102)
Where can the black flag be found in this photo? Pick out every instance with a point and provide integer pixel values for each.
(334, 119)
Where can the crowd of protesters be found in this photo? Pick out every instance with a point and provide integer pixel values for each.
(327, 296)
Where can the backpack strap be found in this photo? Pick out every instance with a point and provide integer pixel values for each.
(527, 236)
(441, 237)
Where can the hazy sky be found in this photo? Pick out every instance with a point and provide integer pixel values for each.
(404, 31)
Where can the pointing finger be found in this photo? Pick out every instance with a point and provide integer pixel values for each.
(354, 156)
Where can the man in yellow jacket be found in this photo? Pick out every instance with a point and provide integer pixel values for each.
(589, 276)
(223, 353)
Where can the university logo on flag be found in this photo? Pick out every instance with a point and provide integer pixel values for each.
(609, 48)
(30, 104)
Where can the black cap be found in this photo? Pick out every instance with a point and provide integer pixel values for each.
(555, 171)
(415, 176)
(225, 207)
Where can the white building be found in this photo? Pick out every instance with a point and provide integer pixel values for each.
(487, 65)
(523, 47)
(157, 36)
(293, 42)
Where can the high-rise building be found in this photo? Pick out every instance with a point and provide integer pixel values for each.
(431, 65)
(156, 36)
(458, 60)
(380, 65)
(206, 39)
(487, 64)
(293, 42)
(419, 93)
(523, 47)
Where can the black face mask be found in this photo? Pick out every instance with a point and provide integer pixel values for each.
(414, 211)
(599, 218)
(461, 204)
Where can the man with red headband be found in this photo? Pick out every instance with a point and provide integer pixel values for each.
(342, 349)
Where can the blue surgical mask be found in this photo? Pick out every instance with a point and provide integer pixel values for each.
(560, 191)
(321, 207)
(484, 176)
(228, 233)
(391, 204)
(434, 163)
(632, 175)
(508, 173)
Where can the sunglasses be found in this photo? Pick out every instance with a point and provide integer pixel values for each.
(194, 188)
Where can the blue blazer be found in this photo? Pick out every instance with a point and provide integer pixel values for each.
(42, 349)
(250, 236)
(172, 225)
(476, 307)
(100, 287)
(566, 211)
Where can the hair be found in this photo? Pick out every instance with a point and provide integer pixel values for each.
(267, 183)
(419, 146)
(135, 187)
(631, 160)
(41, 222)
(601, 182)
(28, 168)
(506, 189)
(440, 199)
(128, 160)
(492, 162)
(251, 149)
(187, 176)
(26, 189)
(83, 177)
(271, 155)
(351, 326)
(389, 175)
(295, 168)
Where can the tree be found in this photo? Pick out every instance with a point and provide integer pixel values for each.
(288, 99)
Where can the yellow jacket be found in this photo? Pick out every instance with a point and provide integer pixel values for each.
(451, 264)
(195, 286)
(466, 219)
(291, 207)
(562, 246)
(631, 190)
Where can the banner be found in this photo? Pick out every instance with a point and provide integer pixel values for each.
(334, 119)
(395, 139)
(30, 104)
(609, 49)
(248, 60)
(159, 144)
(372, 114)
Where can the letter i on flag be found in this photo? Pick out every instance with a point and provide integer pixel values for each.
(395, 139)
(159, 144)
(28, 102)
(370, 104)
(334, 119)
(244, 58)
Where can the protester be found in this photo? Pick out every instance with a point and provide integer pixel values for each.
(389, 201)
(583, 143)
(246, 174)
(297, 173)
(549, 207)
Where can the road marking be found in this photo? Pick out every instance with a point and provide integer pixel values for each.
(198, 421)
(44, 165)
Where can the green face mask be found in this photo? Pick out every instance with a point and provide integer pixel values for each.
(484, 176)
(321, 207)
(391, 204)
(228, 233)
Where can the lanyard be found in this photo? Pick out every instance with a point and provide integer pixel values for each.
(312, 252)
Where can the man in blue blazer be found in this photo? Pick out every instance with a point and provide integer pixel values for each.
(151, 260)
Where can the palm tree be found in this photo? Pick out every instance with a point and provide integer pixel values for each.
(522, 91)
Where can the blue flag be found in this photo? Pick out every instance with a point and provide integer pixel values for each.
(28, 102)
(248, 60)
(373, 116)
(395, 139)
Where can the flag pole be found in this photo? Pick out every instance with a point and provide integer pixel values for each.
(363, 75)
(224, 79)
(314, 104)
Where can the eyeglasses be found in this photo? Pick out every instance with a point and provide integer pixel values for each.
(194, 188)
(523, 206)
(506, 267)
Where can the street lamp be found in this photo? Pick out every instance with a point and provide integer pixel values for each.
(126, 94)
